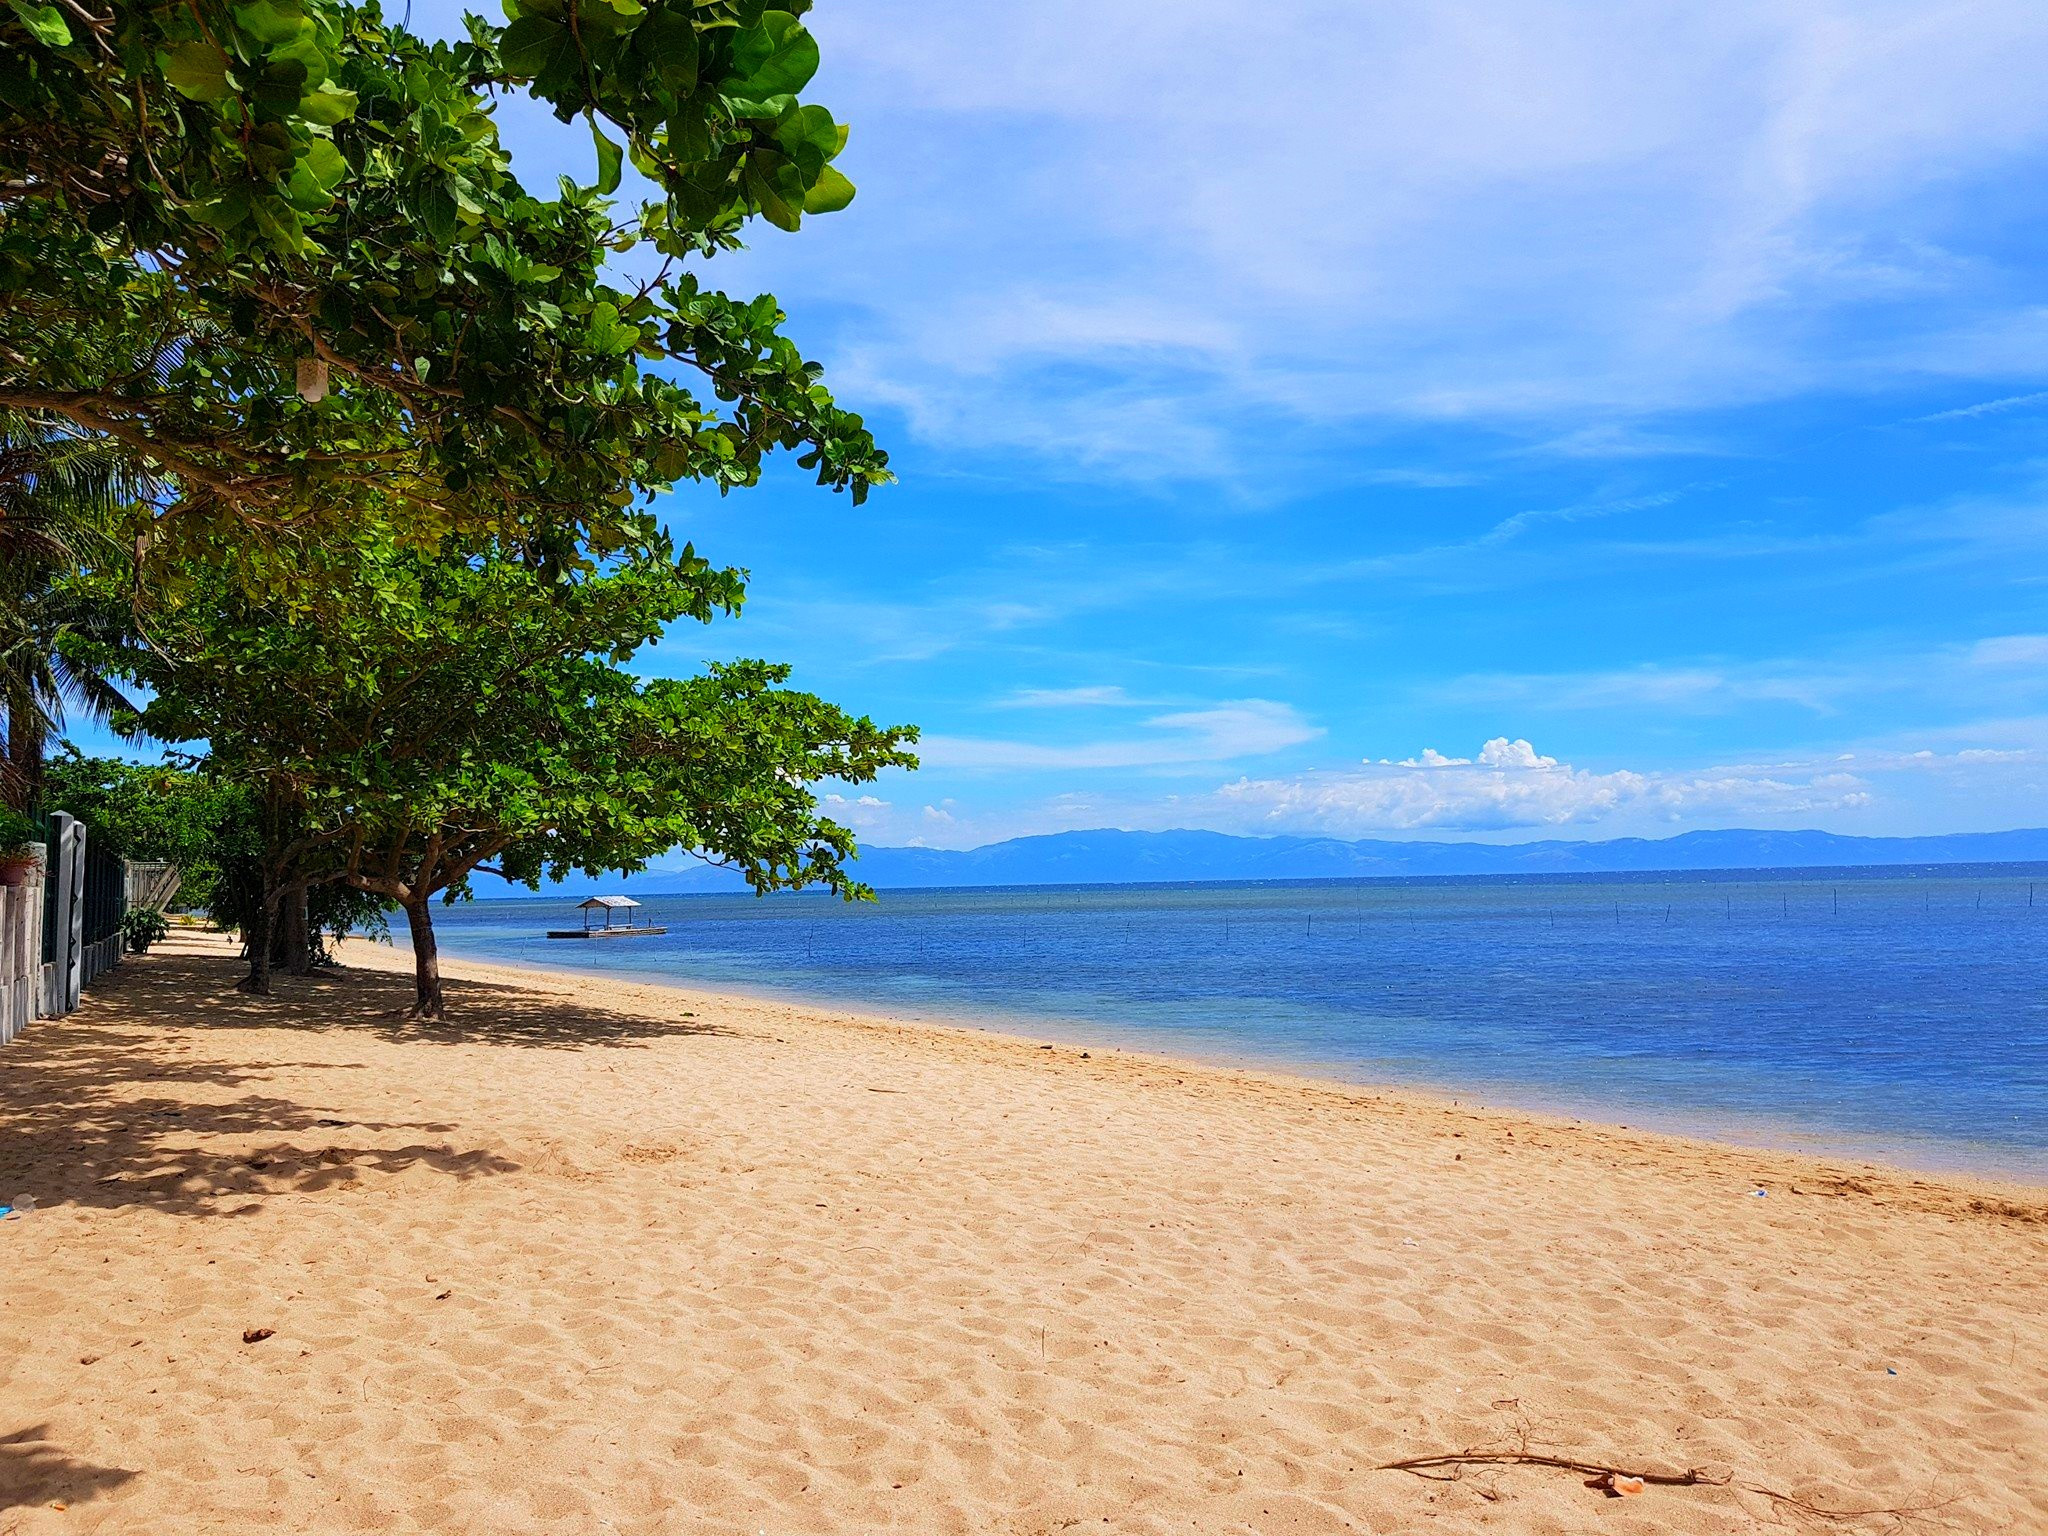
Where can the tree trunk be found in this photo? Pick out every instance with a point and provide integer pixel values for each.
(24, 779)
(258, 979)
(426, 961)
(298, 936)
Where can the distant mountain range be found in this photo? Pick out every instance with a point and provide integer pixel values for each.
(1112, 858)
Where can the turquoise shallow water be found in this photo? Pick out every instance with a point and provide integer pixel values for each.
(1898, 1014)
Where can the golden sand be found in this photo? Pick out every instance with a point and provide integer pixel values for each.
(603, 1257)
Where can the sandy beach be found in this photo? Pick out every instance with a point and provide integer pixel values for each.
(607, 1257)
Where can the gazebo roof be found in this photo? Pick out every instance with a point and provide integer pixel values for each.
(609, 902)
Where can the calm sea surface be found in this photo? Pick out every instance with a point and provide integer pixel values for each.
(1902, 1014)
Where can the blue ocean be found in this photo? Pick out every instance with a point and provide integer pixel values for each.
(1896, 1014)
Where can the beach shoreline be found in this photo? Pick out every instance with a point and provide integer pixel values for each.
(610, 1255)
(1988, 1167)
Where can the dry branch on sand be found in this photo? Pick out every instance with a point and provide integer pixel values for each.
(1619, 1482)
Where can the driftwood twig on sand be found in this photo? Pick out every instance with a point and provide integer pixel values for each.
(1615, 1481)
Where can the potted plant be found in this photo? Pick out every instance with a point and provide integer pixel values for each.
(21, 841)
(142, 927)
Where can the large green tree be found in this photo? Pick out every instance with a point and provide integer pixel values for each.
(466, 712)
(277, 250)
(163, 811)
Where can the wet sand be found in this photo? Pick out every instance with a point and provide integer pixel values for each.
(601, 1256)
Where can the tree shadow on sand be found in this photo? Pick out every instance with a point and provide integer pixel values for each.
(33, 1471)
(197, 988)
(113, 1109)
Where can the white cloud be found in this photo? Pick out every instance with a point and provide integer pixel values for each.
(863, 813)
(1547, 214)
(1497, 753)
(1682, 689)
(1985, 775)
(1999, 667)
(1220, 733)
(1109, 696)
(2011, 651)
(1511, 785)
(1502, 753)
(1986, 408)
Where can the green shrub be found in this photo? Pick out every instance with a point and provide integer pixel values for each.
(18, 832)
(142, 927)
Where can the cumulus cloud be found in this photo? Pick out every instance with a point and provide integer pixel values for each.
(1517, 792)
(1497, 753)
(1502, 753)
(863, 813)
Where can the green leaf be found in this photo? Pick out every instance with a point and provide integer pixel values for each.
(689, 139)
(778, 58)
(609, 156)
(44, 22)
(607, 333)
(271, 21)
(437, 210)
(279, 85)
(527, 43)
(829, 193)
(669, 43)
(225, 212)
(465, 201)
(328, 105)
(812, 126)
(305, 48)
(325, 162)
(776, 208)
(198, 71)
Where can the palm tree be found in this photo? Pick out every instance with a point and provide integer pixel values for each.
(60, 492)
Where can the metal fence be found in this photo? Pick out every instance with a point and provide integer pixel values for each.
(51, 853)
(61, 927)
(104, 896)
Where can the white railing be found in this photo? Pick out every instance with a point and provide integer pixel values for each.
(152, 883)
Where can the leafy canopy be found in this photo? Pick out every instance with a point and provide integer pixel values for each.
(464, 712)
(277, 249)
(161, 811)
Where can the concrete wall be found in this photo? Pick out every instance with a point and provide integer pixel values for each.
(21, 954)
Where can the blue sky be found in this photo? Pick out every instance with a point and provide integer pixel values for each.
(1500, 420)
